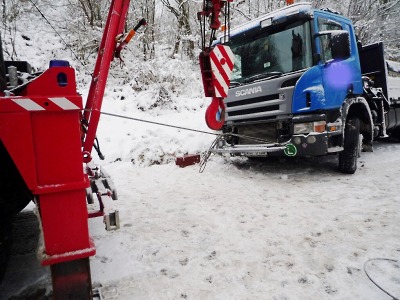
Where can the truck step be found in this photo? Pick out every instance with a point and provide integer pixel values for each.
(102, 188)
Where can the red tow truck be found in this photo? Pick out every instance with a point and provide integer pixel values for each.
(46, 140)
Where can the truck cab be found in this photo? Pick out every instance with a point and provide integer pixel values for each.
(299, 88)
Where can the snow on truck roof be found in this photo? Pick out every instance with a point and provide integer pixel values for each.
(304, 7)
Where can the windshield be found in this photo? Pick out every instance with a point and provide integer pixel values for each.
(270, 56)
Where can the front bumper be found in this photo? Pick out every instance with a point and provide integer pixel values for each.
(312, 144)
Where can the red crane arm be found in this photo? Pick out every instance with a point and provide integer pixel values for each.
(91, 116)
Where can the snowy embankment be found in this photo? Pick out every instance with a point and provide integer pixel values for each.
(176, 100)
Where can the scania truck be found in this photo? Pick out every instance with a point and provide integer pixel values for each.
(303, 85)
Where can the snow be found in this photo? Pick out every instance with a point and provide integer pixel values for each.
(304, 7)
(252, 230)
(393, 66)
(242, 229)
(394, 87)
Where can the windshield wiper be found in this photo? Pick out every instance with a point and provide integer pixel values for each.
(269, 75)
(234, 84)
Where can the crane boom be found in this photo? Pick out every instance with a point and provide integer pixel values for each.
(114, 25)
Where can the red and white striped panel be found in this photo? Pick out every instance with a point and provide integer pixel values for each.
(28, 104)
(40, 104)
(221, 66)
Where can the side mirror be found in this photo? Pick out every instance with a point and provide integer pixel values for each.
(335, 44)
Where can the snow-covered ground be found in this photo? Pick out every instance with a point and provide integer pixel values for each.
(253, 230)
(286, 229)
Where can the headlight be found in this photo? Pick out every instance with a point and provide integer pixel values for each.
(305, 128)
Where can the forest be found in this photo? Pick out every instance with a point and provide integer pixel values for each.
(173, 26)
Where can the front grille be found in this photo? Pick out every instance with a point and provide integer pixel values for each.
(253, 100)
(265, 132)
(253, 110)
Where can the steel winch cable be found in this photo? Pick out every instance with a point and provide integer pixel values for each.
(369, 277)
(206, 155)
(154, 123)
(184, 128)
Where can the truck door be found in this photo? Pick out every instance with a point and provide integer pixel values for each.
(340, 77)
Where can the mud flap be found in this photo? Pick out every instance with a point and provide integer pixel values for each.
(71, 280)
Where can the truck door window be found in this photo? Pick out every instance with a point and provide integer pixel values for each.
(284, 51)
(325, 25)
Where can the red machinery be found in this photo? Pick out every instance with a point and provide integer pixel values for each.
(45, 135)
(216, 63)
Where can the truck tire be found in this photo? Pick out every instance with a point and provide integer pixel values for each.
(5, 249)
(348, 157)
(14, 197)
(395, 134)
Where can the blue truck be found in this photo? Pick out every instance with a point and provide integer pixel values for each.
(303, 85)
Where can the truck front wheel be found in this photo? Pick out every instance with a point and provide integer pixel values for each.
(351, 144)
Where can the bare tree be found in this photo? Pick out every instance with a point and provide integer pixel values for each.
(10, 15)
(148, 11)
(181, 10)
(377, 21)
(92, 11)
(4, 10)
